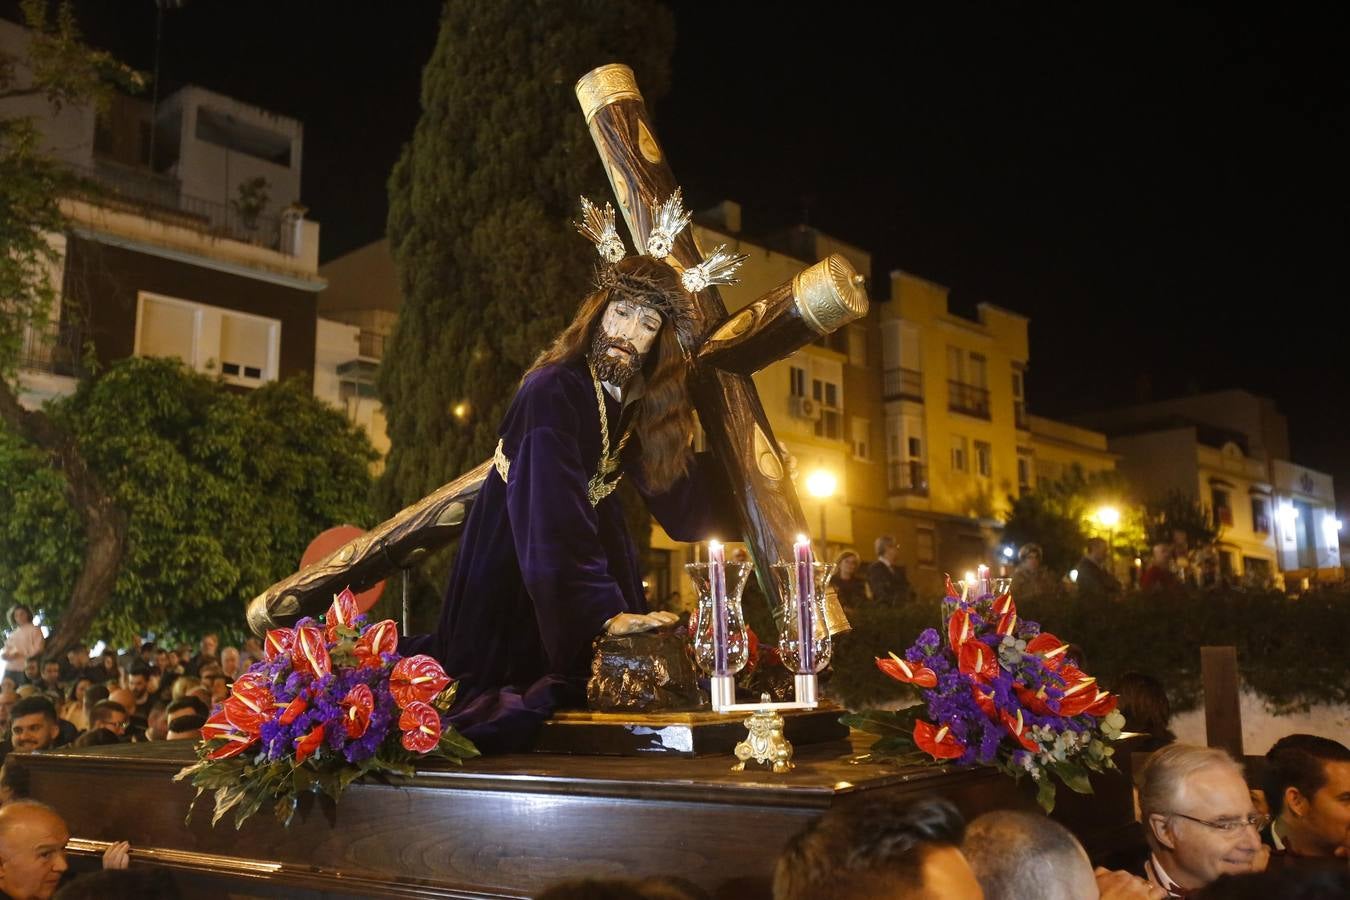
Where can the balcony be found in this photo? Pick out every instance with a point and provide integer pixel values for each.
(902, 384)
(968, 399)
(1020, 415)
(907, 478)
(160, 197)
(52, 349)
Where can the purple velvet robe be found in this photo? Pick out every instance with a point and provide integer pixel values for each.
(540, 571)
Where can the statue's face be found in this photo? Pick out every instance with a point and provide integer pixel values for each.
(627, 332)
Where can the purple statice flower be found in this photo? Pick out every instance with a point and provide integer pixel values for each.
(929, 640)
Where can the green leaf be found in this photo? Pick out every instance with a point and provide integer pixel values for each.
(1075, 777)
(887, 723)
(226, 799)
(1045, 794)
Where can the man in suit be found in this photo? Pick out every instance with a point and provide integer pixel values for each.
(886, 577)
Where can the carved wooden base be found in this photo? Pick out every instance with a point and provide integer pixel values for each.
(684, 734)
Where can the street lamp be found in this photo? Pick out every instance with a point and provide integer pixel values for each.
(821, 484)
(1110, 517)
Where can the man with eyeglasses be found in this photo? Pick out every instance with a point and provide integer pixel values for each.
(1198, 819)
(109, 716)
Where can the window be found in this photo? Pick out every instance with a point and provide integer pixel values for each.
(915, 448)
(978, 370)
(925, 543)
(1260, 516)
(243, 349)
(984, 459)
(1025, 469)
(797, 381)
(1019, 400)
(862, 445)
(1222, 510)
(826, 393)
(959, 462)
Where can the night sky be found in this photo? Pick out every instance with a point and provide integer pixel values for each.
(1164, 194)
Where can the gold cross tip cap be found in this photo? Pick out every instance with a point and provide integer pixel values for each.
(830, 294)
(608, 84)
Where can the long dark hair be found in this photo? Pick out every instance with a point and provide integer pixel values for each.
(664, 423)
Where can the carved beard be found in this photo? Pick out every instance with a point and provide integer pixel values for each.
(617, 370)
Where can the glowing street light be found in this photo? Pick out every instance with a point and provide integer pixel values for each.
(822, 484)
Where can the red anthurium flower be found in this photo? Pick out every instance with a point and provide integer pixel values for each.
(984, 700)
(236, 743)
(421, 727)
(978, 659)
(292, 710)
(342, 612)
(1018, 729)
(751, 651)
(959, 628)
(216, 726)
(248, 707)
(938, 743)
(416, 678)
(1103, 705)
(309, 654)
(279, 642)
(382, 637)
(1078, 697)
(305, 746)
(1049, 648)
(908, 672)
(1033, 700)
(1003, 604)
(952, 592)
(357, 706)
(1007, 623)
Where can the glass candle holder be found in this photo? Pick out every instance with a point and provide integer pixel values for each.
(796, 617)
(703, 631)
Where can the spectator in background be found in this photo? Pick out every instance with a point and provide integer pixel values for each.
(1307, 785)
(24, 642)
(1094, 579)
(848, 581)
(36, 725)
(214, 680)
(8, 697)
(110, 717)
(73, 710)
(886, 578)
(138, 682)
(229, 662)
(1159, 575)
(1031, 578)
(110, 673)
(187, 728)
(32, 673)
(1143, 703)
(879, 848)
(206, 652)
(157, 722)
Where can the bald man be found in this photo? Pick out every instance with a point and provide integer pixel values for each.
(32, 850)
(33, 840)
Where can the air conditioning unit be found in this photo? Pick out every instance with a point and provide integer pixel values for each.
(805, 408)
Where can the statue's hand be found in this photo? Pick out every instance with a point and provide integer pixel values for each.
(629, 623)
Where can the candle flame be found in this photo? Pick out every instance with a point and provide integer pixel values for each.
(714, 545)
(803, 539)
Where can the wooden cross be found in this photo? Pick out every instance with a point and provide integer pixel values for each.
(817, 301)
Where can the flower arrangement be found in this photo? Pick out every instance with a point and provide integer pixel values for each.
(997, 691)
(327, 704)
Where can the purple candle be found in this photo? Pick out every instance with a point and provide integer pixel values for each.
(717, 575)
(806, 598)
(982, 578)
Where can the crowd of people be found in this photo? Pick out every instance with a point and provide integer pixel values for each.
(152, 694)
